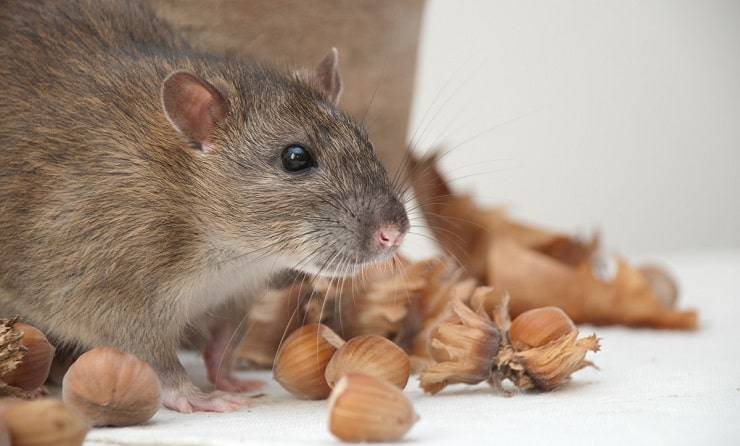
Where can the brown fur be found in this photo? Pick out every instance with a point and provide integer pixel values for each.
(114, 230)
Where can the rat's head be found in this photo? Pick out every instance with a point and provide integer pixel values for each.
(284, 176)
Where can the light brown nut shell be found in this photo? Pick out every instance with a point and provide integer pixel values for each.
(370, 355)
(112, 388)
(537, 327)
(44, 422)
(363, 408)
(301, 361)
(32, 371)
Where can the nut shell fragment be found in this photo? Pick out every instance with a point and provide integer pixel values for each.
(274, 313)
(464, 348)
(539, 267)
(363, 408)
(375, 302)
(537, 280)
(549, 366)
(11, 351)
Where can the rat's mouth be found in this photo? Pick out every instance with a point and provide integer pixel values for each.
(333, 271)
(342, 266)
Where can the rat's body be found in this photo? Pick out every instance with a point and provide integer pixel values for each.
(141, 183)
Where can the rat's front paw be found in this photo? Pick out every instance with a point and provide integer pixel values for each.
(232, 384)
(193, 400)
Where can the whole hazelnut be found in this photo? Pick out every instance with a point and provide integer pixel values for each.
(302, 359)
(363, 408)
(370, 355)
(112, 388)
(44, 422)
(537, 327)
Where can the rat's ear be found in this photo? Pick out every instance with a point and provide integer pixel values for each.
(193, 106)
(325, 77)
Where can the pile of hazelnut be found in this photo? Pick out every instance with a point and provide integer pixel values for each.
(103, 387)
(473, 341)
(363, 378)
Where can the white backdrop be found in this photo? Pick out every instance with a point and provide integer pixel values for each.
(623, 115)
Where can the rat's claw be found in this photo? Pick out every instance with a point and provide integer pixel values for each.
(196, 401)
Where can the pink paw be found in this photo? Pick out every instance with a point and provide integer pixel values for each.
(231, 384)
(196, 401)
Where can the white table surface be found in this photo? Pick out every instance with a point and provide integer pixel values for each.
(654, 387)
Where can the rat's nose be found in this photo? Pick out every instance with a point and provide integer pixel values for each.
(389, 236)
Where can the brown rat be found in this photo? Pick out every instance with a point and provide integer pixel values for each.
(144, 184)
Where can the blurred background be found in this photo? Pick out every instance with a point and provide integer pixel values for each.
(620, 115)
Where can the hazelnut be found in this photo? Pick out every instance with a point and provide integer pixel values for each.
(44, 422)
(302, 359)
(34, 368)
(540, 326)
(371, 355)
(463, 346)
(540, 349)
(545, 350)
(364, 408)
(112, 388)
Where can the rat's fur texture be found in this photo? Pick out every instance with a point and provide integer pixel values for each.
(115, 229)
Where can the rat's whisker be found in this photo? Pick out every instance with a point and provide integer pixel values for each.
(268, 249)
(451, 96)
(478, 174)
(448, 253)
(438, 95)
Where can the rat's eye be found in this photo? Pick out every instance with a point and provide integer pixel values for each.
(296, 158)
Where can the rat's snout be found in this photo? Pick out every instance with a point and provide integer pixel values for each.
(392, 226)
(389, 236)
